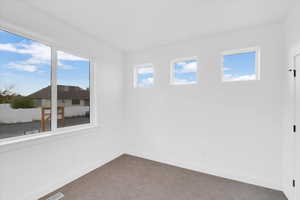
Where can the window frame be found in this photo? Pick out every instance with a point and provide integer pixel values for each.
(255, 49)
(172, 71)
(53, 80)
(135, 79)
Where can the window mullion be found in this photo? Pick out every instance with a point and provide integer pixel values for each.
(93, 105)
(53, 89)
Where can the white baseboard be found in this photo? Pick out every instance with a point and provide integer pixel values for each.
(65, 180)
(217, 172)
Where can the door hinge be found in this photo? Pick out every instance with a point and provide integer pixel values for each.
(294, 128)
(294, 183)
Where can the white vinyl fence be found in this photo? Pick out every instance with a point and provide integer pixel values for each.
(10, 115)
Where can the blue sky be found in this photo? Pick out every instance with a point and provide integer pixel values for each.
(185, 72)
(236, 67)
(145, 76)
(25, 65)
(239, 67)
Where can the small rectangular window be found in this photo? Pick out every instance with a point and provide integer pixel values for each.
(241, 65)
(184, 71)
(144, 76)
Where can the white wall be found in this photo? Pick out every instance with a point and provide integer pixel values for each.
(227, 129)
(33, 168)
(10, 115)
(292, 36)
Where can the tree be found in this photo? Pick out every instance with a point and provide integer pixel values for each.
(22, 102)
(7, 94)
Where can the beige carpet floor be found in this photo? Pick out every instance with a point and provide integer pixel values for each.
(132, 178)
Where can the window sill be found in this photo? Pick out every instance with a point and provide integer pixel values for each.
(240, 81)
(183, 84)
(23, 141)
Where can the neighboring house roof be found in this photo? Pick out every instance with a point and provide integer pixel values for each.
(63, 92)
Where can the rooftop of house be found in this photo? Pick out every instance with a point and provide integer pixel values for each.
(63, 92)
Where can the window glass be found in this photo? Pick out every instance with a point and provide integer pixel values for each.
(25, 91)
(184, 72)
(144, 76)
(240, 66)
(73, 90)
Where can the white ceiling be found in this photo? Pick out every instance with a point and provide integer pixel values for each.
(138, 24)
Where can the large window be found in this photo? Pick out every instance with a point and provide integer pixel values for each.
(184, 71)
(241, 65)
(144, 76)
(27, 82)
(73, 90)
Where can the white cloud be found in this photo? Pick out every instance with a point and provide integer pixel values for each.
(227, 76)
(227, 69)
(245, 77)
(23, 67)
(146, 82)
(40, 54)
(7, 47)
(230, 77)
(187, 67)
(69, 57)
(65, 67)
(38, 51)
(145, 70)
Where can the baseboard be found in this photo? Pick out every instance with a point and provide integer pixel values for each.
(216, 172)
(65, 180)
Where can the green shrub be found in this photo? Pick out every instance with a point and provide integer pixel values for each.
(22, 102)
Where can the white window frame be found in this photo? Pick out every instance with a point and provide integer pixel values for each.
(54, 129)
(135, 73)
(172, 71)
(241, 51)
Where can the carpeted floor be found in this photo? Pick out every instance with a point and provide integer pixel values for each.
(132, 178)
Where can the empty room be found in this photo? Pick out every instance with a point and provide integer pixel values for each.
(149, 100)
